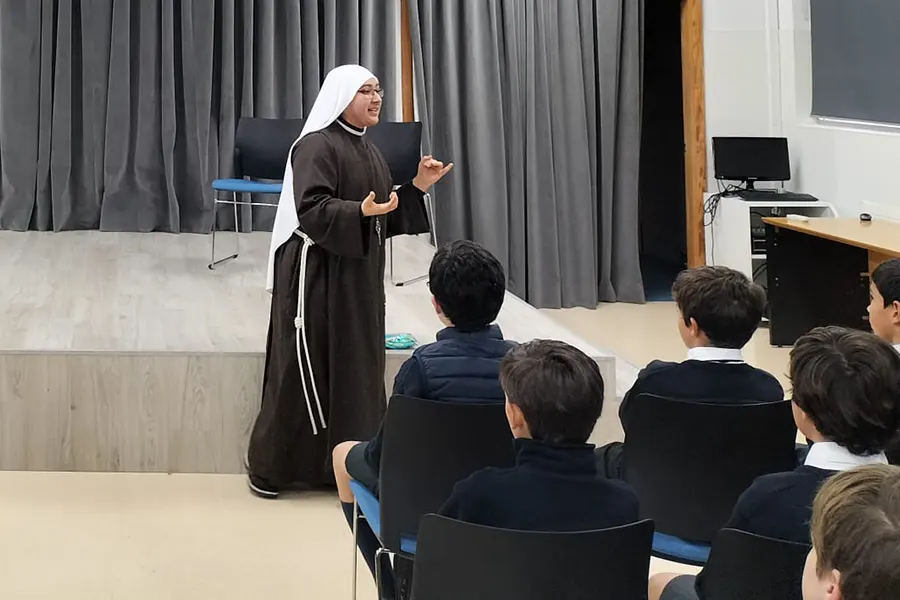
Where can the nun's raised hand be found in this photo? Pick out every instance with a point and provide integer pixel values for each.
(430, 172)
(370, 208)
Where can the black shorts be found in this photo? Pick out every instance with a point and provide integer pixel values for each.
(680, 588)
(359, 469)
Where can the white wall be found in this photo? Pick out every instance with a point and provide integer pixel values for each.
(742, 94)
(759, 82)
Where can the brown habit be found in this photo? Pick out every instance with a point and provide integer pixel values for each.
(334, 170)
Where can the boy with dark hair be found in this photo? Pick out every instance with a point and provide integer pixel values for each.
(846, 401)
(468, 286)
(884, 308)
(856, 537)
(554, 396)
(719, 309)
(884, 316)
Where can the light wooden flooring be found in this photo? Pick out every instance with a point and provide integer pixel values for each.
(122, 536)
(123, 352)
(149, 292)
(92, 291)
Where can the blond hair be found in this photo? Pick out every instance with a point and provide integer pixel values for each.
(856, 531)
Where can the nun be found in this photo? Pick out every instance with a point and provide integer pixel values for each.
(324, 373)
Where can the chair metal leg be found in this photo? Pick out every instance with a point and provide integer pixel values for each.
(237, 231)
(212, 254)
(378, 575)
(213, 262)
(429, 210)
(355, 547)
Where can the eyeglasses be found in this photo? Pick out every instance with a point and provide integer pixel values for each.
(369, 91)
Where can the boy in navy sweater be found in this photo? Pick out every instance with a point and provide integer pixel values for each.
(846, 401)
(554, 396)
(468, 286)
(719, 309)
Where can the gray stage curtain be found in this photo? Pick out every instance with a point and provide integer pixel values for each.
(117, 114)
(537, 102)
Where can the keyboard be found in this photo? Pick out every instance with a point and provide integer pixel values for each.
(773, 196)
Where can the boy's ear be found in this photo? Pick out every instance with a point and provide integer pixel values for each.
(694, 327)
(437, 307)
(895, 316)
(514, 414)
(833, 590)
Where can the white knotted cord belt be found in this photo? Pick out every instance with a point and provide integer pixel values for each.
(300, 337)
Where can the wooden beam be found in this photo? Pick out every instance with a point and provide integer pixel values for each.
(406, 63)
(694, 127)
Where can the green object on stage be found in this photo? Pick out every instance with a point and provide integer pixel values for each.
(399, 341)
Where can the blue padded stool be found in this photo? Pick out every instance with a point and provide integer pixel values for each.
(369, 508)
(673, 548)
(238, 186)
(261, 149)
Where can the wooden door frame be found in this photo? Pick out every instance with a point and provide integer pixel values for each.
(406, 64)
(694, 95)
(694, 98)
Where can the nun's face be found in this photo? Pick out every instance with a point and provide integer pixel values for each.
(366, 106)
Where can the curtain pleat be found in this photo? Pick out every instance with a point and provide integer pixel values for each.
(117, 115)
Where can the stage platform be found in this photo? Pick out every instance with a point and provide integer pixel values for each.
(123, 352)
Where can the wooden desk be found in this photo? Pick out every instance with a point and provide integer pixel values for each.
(818, 272)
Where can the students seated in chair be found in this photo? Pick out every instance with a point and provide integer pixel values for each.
(468, 285)
(884, 309)
(554, 396)
(846, 400)
(719, 309)
(856, 537)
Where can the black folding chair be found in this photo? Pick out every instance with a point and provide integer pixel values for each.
(401, 146)
(428, 447)
(893, 453)
(745, 566)
(260, 152)
(459, 560)
(688, 483)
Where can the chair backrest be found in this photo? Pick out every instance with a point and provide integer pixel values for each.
(689, 461)
(401, 146)
(745, 566)
(262, 145)
(893, 453)
(459, 560)
(428, 447)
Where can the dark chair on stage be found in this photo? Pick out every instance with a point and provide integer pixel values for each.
(428, 447)
(689, 485)
(745, 566)
(401, 146)
(260, 152)
(460, 560)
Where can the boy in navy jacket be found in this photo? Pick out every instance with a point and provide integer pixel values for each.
(468, 286)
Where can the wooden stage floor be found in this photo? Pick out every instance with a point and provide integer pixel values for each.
(123, 352)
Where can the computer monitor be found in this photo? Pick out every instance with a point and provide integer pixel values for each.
(751, 159)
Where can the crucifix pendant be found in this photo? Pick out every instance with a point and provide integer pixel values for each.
(378, 231)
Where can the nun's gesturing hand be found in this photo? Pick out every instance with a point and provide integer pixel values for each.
(370, 208)
(430, 172)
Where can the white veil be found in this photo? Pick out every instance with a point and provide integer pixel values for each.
(338, 90)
